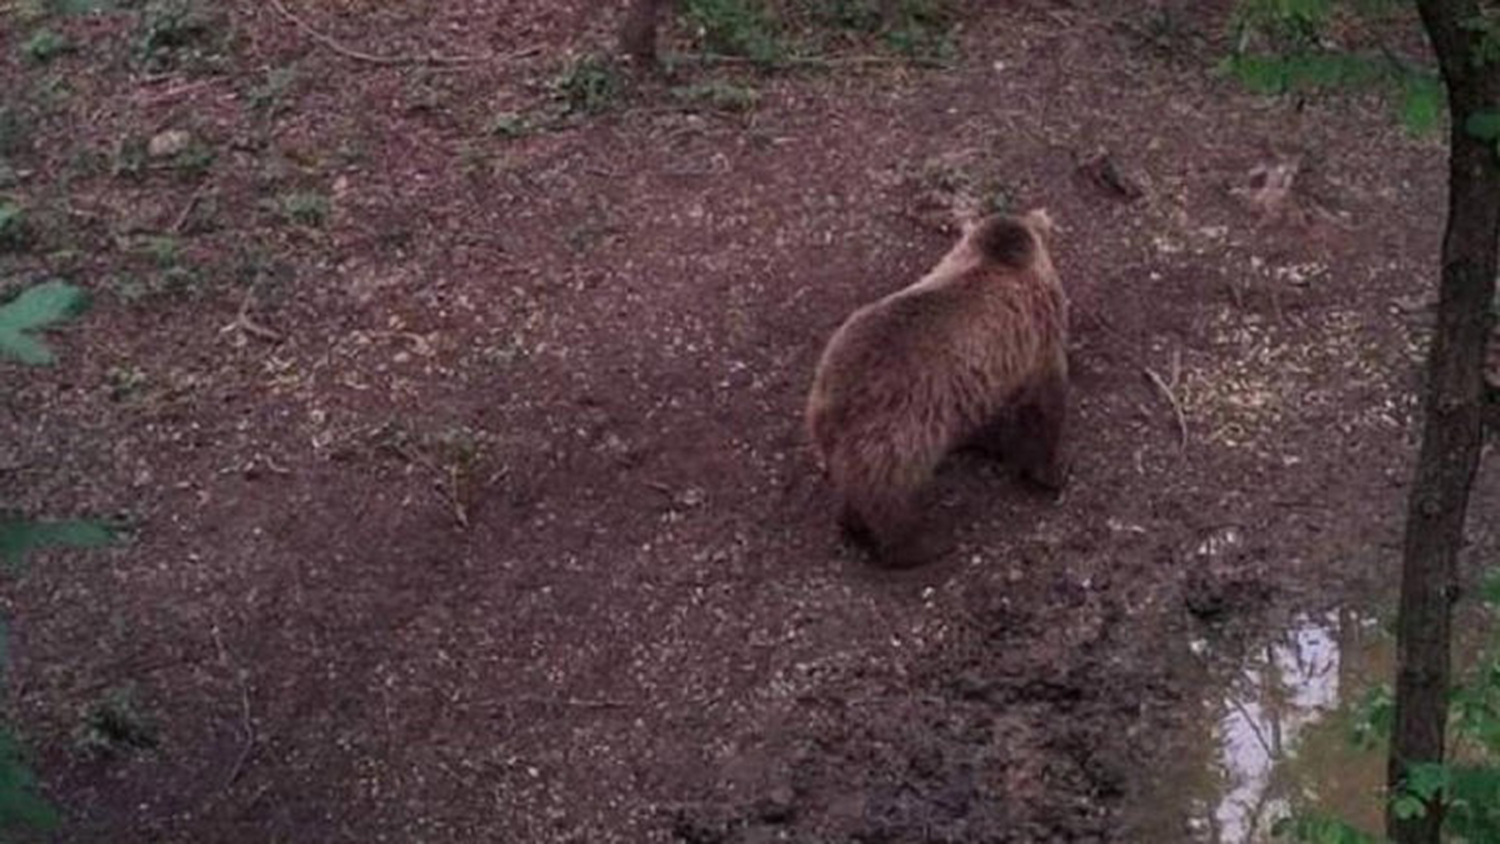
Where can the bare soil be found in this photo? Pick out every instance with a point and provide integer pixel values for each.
(480, 510)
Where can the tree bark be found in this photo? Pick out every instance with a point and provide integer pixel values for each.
(1454, 411)
(638, 34)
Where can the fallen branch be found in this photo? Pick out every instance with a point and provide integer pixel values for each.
(1171, 397)
(575, 702)
(247, 726)
(245, 325)
(372, 58)
(187, 209)
(804, 61)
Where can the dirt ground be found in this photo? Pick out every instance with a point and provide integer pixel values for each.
(471, 503)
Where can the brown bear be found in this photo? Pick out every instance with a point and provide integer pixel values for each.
(972, 355)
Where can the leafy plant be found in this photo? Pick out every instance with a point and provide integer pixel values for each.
(590, 85)
(35, 309)
(115, 724)
(174, 32)
(304, 208)
(20, 536)
(721, 96)
(507, 124)
(13, 229)
(737, 28)
(858, 15)
(269, 97)
(15, 130)
(922, 31)
(44, 45)
(1280, 49)
(20, 805)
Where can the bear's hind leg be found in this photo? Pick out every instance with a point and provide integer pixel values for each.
(1040, 447)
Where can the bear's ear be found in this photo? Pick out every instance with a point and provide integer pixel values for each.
(966, 217)
(1041, 222)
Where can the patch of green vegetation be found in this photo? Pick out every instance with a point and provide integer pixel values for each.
(15, 232)
(173, 34)
(19, 536)
(195, 161)
(44, 45)
(1279, 48)
(508, 124)
(858, 15)
(163, 250)
(39, 9)
(84, 163)
(304, 208)
(744, 28)
(125, 382)
(165, 272)
(130, 158)
(115, 724)
(1308, 71)
(720, 96)
(269, 98)
(15, 130)
(21, 807)
(923, 31)
(35, 309)
(590, 85)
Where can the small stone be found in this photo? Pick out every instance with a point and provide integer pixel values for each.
(168, 144)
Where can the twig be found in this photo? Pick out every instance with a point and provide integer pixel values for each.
(243, 323)
(455, 495)
(188, 208)
(579, 702)
(248, 726)
(1171, 397)
(1266, 744)
(360, 55)
(804, 61)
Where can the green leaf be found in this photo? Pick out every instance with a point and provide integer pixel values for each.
(20, 536)
(37, 308)
(1408, 806)
(1489, 589)
(1421, 102)
(20, 806)
(13, 229)
(1317, 828)
(1372, 717)
(1426, 779)
(1484, 125)
(81, 7)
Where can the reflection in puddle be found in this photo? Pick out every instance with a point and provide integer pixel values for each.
(1292, 685)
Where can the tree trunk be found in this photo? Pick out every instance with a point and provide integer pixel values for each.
(1452, 431)
(638, 35)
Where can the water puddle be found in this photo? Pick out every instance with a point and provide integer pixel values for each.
(1273, 733)
(1280, 735)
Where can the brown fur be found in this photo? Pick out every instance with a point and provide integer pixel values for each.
(974, 354)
